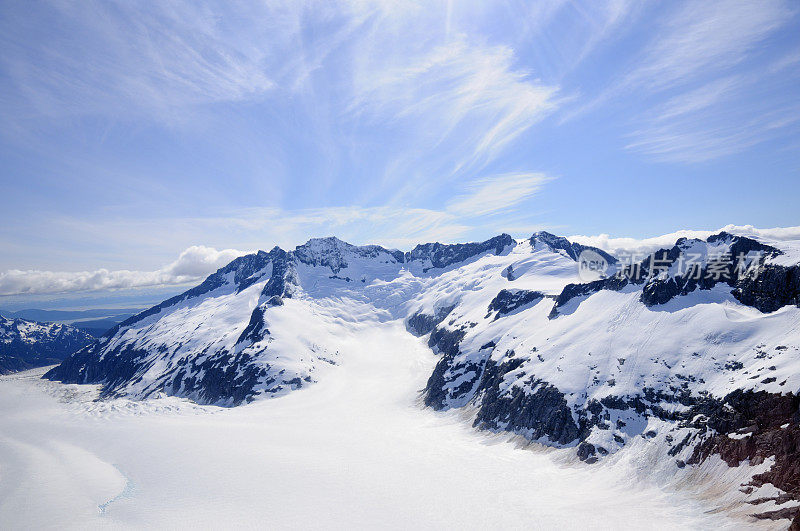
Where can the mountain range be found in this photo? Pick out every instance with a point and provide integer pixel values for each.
(26, 344)
(691, 352)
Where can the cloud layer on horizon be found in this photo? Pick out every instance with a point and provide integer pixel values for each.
(193, 264)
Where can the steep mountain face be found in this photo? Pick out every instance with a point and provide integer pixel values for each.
(28, 344)
(573, 250)
(694, 349)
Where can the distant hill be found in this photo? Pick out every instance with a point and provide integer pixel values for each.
(28, 344)
(96, 321)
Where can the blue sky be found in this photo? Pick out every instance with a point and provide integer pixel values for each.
(158, 139)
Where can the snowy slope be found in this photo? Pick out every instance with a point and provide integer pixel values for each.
(27, 344)
(685, 347)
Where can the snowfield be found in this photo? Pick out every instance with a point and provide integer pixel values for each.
(355, 450)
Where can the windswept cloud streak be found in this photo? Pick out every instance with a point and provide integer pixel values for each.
(709, 112)
(132, 59)
(501, 193)
(703, 37)
(455, 83)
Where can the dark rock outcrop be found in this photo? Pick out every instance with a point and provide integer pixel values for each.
(771, 289)
(541, 413)
(446, 343)
(763, 425)
(507, 301)
(571, 249)
(571, 291)
(331, 252)
(444, 255)
(421, 323)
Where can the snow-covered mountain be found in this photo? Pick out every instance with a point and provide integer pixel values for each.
(28, 344)
(694, 349)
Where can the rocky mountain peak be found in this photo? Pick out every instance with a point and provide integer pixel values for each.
(570, 249)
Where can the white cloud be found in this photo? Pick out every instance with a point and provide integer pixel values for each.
(498, 193)
(192, 265)
(648, 245)
(710, 113)
(697, 99)
(704, 136)
(131, 59)
(199, 261)
(703, 37)
(464, 101)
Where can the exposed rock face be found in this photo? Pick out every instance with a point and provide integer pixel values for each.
(445, 342)
(28, 344)
(420, 323)
(731, 267)
(754, 426)
(572, 291)
(442, 255)
(508, 301)
(540, 414)
(571, 249)
(282, 278)
(670, 273)
(772, 288)
(332, 252)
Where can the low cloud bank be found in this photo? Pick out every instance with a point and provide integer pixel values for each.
(193, 264)
(648, 245)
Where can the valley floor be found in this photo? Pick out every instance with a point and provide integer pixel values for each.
(354, 450)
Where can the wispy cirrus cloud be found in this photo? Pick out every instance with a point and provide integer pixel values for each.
(132, 130)
(452, 84)
(722, 117)
(450, 110)
(498, 197)
(698, 99)
(132, 60)
(702, 37)
(702, 110)
(499, 193)
(700, 139)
